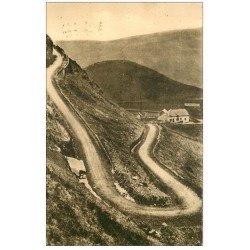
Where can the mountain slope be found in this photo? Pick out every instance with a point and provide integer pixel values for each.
(177, 54)
(126, 81)
(74, 215)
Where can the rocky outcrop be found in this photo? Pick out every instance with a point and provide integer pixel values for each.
(49, 51)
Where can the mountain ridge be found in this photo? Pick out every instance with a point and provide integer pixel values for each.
(131, 37)
(177, 53)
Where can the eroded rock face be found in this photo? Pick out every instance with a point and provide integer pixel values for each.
(49, 51)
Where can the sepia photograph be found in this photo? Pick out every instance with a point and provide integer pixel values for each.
(124, 124)
(118, 125)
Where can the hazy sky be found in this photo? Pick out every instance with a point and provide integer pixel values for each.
(100, 21)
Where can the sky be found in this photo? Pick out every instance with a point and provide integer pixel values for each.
(110, 21)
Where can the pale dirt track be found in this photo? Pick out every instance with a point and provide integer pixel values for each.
(98, 165)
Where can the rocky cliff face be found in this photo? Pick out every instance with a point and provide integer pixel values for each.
(49, 51)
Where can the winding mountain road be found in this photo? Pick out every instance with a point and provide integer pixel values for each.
(98, 165)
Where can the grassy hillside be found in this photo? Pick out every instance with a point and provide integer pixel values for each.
(177, 54)
(184, 156)
(125, 81)
(74, 215)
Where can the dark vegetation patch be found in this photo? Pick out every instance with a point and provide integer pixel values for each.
(126, 82)
(196, 112)
(192, 131)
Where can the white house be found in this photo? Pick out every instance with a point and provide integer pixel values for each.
(174, 116)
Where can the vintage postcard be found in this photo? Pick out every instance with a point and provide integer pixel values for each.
(124, 124)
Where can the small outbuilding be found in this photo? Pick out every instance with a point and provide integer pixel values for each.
(174, 116)
(139, 116)
(164, 111)
(147, 115)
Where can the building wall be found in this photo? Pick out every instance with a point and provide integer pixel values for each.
(184, 119)
(166, 118)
